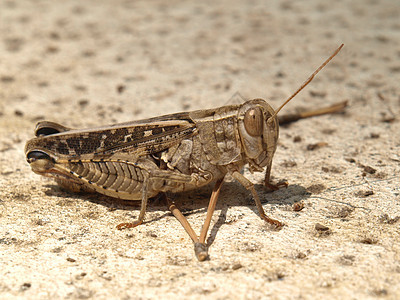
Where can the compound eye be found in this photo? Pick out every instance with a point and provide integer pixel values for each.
(253, 121)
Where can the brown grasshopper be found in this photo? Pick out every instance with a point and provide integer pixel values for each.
(172, 153)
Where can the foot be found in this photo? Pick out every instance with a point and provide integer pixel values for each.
(201, 251)
(275, 223)
(128, 225)
(275, 187)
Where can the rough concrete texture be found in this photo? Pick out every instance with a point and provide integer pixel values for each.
(89, 63)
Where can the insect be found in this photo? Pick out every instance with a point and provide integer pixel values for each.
(172, 153)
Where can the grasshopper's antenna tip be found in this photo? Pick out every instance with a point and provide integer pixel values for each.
(308, 80)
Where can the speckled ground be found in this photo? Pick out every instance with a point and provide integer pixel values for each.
(89, 63)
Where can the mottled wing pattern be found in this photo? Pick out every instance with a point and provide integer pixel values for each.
(140, 137)
(151, 138)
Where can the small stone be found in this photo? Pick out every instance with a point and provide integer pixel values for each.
(320, 227)
(18, 113)
(237, 266)
(369, 170)
(25, 286)
(312, 147)
(120, 89)
(298, 206)
(297, 139)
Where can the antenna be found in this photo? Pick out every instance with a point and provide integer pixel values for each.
(307, 81)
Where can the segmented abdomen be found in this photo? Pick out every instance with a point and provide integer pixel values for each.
(114, 178)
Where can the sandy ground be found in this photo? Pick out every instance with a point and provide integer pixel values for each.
(89, 63)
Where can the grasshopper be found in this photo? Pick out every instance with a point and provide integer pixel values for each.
(172, 153)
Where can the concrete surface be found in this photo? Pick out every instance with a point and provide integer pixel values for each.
(88, 63)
